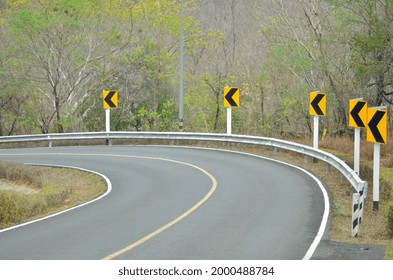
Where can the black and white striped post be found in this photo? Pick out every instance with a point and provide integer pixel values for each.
(355, 213)
(358, 204)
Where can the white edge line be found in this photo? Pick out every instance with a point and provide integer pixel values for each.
(324, 221)
(308, 254)
(325, 216)
(109, 189)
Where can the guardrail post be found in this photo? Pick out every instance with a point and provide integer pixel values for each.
(327, 168)
(108, 141)
(361, 206)
(50, 142)
(365, 189)
(362, 201)
(355, 213)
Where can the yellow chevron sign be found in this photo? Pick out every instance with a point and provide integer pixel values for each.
(110, 99)
(357, 113)
(231, 97)
(377, 125)
(317, 103)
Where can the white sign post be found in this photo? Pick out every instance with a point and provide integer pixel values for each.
(316, 132)
(107, 120)
(356, 152)
(377, 157)
(229, 120)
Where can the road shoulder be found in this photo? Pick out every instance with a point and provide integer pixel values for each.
(334, 250)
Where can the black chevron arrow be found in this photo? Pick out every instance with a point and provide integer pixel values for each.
(355, 113)
(315, 104)
(229, 96)
(373, 126)
(108, 99)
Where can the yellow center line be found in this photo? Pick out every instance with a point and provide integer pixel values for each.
(164, 227)
(173, 222)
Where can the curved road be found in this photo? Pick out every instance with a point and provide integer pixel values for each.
(175, 203)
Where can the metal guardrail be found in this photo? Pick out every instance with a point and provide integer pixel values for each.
(356, 182)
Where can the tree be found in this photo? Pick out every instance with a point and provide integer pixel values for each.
(12, 98)
(306, 39)
(60, 43)
(370, 45)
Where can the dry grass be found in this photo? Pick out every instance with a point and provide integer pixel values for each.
(345, 145)
(22, 174)
(28, 192)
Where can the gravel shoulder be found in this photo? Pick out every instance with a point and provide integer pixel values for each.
(333, 250)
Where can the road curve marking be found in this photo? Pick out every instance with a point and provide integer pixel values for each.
(308, 254)
(325, 216)
(176, 220)
(324, 221)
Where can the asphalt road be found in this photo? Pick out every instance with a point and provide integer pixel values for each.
(175, 203)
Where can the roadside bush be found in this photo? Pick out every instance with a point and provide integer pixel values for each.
(15, 208)
(54, 196)
(37, 205)
(8, 208)
(390, 220)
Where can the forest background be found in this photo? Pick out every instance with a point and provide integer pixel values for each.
(57, 56)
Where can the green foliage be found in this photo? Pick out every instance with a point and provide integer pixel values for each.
(366, 49)
(152, 60)
(371, 48)
(146, 120)
(168, 113)
(69, 7)
(200, 113)
(28, 21)
(203, 102)
(162, 119)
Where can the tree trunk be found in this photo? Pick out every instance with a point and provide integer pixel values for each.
(60, 128)
(1, 127)
(380, 84)
(217, 111)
